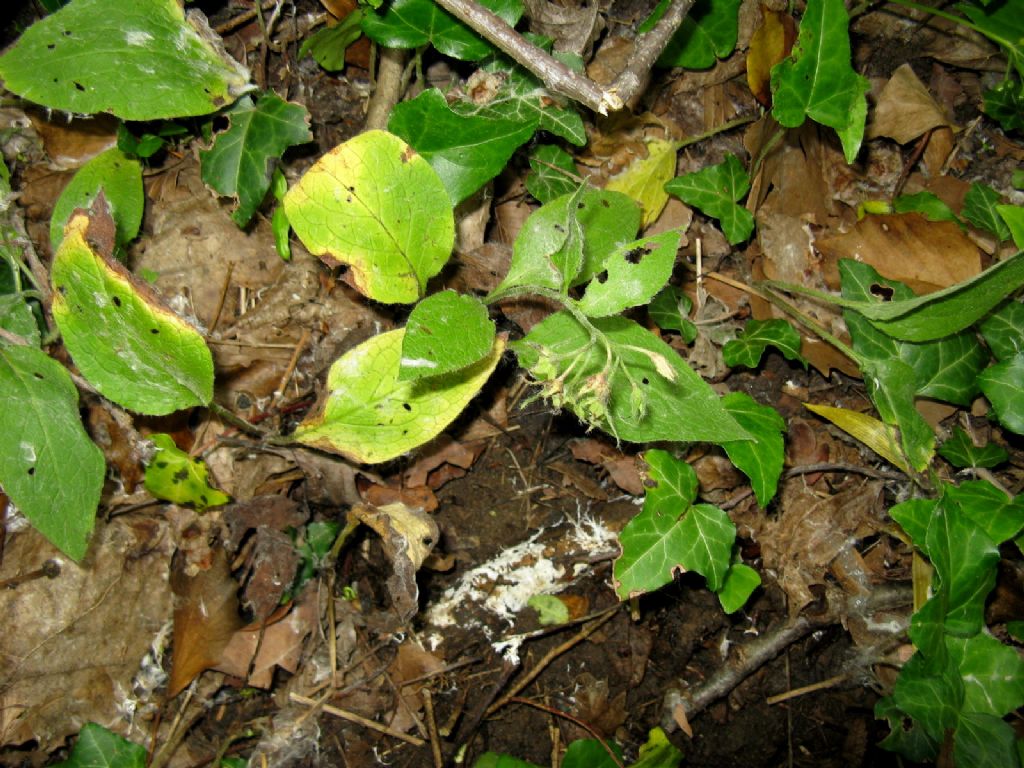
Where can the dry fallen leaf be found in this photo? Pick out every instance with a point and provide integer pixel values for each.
(905, 110)
(205, 618)
(770, 44)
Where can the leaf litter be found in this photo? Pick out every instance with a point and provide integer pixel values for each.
(517, 514)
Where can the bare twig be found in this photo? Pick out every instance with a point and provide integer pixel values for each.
(582, 724)
(352, 717)
(388, 88)
(556, 75)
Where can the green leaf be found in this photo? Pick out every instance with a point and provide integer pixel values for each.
(965, 560)
(818, 82)
(999, 516)
(708, 534)
(914, 516)
(242, 158)
(522, 99)
(1005, 103)
(891, 386)
(716, 190)
(1003, 385)
(139, 61)
(370, 416)
(757, 336)
(550, 610)
(609, 221)
(376, 205)
(552, 173)
(124, 340)
(120, 179)
(173, 475)
(960, 451)
(328, 45)
(658, 752)
(932, 696)
(927, 204)
(984, 741)
(740, 582)
(906, 736)
(980, 205)
(465, 151)
(670, 311)
(759, 459)
(707, 33)
(651, 393)
(590, 753)
(1004, 330)
(49, 467)
(16, 316)
(1013, 217)
(494, 760)
(631, 275)
(415, 23)
(280, 227)
(99, 748)
(446, 332)
(1001, 23)
(993, 674)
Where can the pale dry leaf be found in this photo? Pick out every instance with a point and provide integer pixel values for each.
(905, 110)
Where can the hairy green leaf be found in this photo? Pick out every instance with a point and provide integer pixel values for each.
(446, 332)
(818, 82)
(375, 204)
(49, 467)
(242, 158)
(631, 275)
(371, 416)
(139, 61)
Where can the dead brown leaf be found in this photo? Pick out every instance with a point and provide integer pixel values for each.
(770, 44)
(621, 468)
(408, 535)
(206, 617)
(72, 644)
(408, 670)
(905, 110)
(72, 143)
(926, 255)
(441, 451)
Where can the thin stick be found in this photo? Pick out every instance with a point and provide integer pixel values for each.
(796, 692)
(300, 347)
(435, 744)
(352, 717)
(559, 713)
(549, 657)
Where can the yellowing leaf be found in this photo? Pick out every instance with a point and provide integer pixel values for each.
(644, 179)
(370, 416)
(876, 435)
(770, 44)
(175, 476)
(124, 340)
(375, 204)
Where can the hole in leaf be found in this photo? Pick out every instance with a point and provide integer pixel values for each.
(31, 471)
(51, 46)
(602, 276)
(79, 86)
(559, 228)
(117, 301)
(645, 380)
(154, 331)
(635, 255)
(180, 476)
(38, 376)
(406, 406)
(882, 291)
(160, 464)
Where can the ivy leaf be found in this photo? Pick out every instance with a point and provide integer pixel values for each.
(658, 752)
(371, 416)
(759, 459)
(1013, 217)
(818, 82)
(740, 582)
(138, 61)
(932, 696)
(99, 748)
(466, 151)
(1003, 385)
(1004, 330)
(716, 190)
(993, 674)
(552, 173)
(1000, 517)
(670, 311)
(242, 158)
(709, 535)
(906, 736)
(645, 178)
(446, 332)
(120, 179)
(707, 33)
(415, 23)
(891, 387)
(1005, 103)
(927, 204)
(49, 467)
(980, 208)
(124, 340)
(631, 275)
(376, 205)
(757, 336)
(651, 393)
(985, 741)
(173, 475)
(960, 451)
(329, 44)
